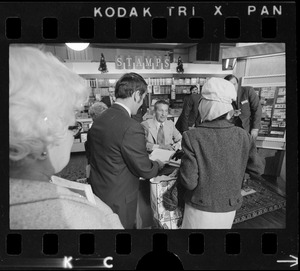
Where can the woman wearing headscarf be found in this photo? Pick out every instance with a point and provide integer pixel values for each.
(43, 98)
(216, 156)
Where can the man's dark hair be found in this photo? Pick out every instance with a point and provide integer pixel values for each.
(128, 84)
(230, 76)
(192, 87)
(160, 102)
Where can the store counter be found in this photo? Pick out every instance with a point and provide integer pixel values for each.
(273, 150)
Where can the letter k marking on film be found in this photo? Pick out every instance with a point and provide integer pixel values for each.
(67, 262)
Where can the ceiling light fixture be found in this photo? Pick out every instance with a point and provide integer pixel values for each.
(228, 63)
(77, 46)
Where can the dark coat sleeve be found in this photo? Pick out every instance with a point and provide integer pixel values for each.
(188, 172)
(135, 154)
(256, 163)
(87, 149)
(186, 111)
(195, 118)
(182, 123)
(255, 108)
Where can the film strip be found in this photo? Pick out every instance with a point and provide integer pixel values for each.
(154, 22)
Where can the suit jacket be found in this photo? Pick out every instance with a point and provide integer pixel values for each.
(172, 135)
(118, 157)
(216, 156)
(106, 100)
(251, 111)
(189, 112)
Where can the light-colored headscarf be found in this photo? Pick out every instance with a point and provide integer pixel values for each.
(217, 96)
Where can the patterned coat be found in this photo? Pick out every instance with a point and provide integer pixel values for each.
(216, 156)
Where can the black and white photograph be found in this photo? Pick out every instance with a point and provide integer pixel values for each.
(149, 135)
(164, 135)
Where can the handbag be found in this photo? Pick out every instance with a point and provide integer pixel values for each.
(173, 197)
(170, 217)
(170, 198)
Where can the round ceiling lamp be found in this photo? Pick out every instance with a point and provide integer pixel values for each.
(77, 46)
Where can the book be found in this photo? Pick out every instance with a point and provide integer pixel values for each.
(82, 189)
(165, 156)
(162, 155)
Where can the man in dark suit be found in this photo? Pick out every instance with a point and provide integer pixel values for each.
(248, 104)
(110, 99)
(250, 111)
(189, 112)
(118, 151)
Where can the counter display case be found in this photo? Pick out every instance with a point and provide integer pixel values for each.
(271, 91)
(271, 140)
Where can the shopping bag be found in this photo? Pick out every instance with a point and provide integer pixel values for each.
(163, 218)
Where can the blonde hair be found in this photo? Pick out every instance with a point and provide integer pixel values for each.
(43, 98)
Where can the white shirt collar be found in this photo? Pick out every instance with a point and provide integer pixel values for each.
(157, 123)
(124, 106)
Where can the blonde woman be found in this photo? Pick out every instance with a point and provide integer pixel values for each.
(43, 99)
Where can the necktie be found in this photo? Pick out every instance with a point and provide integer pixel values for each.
(160, 135)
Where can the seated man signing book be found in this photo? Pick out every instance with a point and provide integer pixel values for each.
(160, 132)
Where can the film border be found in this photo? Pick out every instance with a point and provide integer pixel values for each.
(68, 15)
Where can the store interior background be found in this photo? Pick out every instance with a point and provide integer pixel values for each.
(257, 63)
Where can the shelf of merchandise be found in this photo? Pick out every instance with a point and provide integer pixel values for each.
(271, 90)
(173, 89)
(106, 80)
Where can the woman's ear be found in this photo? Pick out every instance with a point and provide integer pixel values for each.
(18, 152)
(42, 156)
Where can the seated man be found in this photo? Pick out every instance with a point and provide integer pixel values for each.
(160, 132)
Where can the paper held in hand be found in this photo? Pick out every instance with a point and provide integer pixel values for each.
(165, 157)
(82, 189)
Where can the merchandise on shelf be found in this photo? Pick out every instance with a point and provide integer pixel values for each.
(172, 89)
(273, 101)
